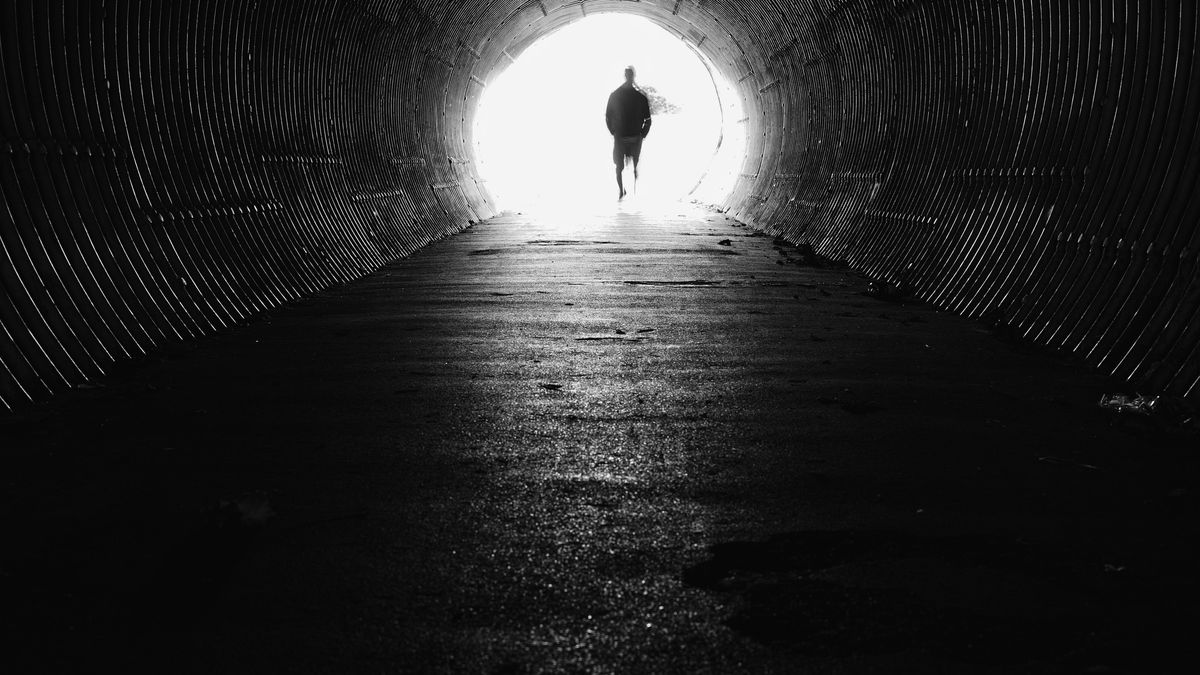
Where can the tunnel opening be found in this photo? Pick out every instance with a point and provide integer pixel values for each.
(539, 137)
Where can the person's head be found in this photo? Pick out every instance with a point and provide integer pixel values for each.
(630, 74)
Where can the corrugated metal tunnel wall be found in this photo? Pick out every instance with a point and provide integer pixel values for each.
(170, 167)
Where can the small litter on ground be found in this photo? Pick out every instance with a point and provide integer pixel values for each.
(885, 290)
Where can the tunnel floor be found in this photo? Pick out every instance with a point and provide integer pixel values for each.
(648, 440)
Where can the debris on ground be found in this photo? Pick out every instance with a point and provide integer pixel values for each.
(550, 386)
(725, 242)
(808, 256)
(804, 255)
(1165, 411)
(646, 330)
(886, 290)
(1139, 404)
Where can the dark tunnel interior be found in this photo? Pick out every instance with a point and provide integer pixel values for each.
(171, 168)
(283, 388)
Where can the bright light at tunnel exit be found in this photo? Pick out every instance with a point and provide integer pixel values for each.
(540, 135)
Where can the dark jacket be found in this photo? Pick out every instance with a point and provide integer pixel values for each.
(628, 112)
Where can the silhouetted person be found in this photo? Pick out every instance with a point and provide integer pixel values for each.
(628, 119)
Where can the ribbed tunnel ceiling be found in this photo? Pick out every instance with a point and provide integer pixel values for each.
(173, 167)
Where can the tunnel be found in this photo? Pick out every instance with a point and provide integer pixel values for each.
(174, 168)
(175, 171)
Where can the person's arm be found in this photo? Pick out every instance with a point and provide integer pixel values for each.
(645, 116)
(610, 115)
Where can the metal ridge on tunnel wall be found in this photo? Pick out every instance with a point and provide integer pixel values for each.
(170, 168)
(1032, 163)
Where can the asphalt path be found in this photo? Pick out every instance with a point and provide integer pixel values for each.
(646, 439)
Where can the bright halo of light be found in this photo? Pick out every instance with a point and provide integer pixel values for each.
(540, 137)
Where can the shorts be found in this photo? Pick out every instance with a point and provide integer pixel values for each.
(626, 146)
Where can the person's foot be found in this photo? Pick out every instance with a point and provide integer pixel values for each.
(621, 196)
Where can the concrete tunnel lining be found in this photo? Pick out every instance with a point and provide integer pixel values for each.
(170, 169)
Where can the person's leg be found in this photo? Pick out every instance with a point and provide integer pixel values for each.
(636, 155)
(619, 161)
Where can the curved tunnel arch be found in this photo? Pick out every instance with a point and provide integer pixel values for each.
(170, 168)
